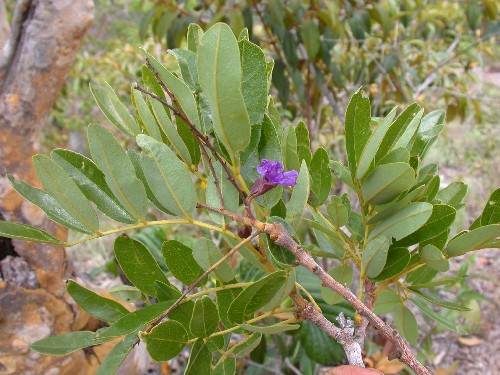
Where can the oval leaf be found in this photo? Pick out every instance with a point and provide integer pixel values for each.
(92, 183)
(321, 178)
(375, 256)
(403, 222)
(49, 205)
(474, 240)
(166, 340)
(357, 128)
(180, 261)
(255, 296)
(64, 190)
(386, 182)
(205, 318)
(99, 307)
(220, 75)
(138, 264)
(118, 170)
(434, 258)
(27, 233)
(165, 173)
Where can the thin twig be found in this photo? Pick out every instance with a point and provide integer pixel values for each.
(199, 279)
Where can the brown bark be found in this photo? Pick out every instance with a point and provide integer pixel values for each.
(37, 54)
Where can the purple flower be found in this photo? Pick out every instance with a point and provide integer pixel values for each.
(272, 175)
(272, 171)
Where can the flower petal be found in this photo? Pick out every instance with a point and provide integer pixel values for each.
(289, 178)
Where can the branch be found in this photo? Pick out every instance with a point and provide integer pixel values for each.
(281, 237)
(199, 279)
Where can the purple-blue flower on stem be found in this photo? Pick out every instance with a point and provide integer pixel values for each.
(273, 174)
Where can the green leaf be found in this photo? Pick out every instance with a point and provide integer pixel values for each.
(318, 345)
(254, 80)
(403, 222)
(68, 343)
(311, 38)
(405, 139)
(321, 178)
(118, 170)
(357, 128)
(396, 130)
(366, 160)
(246, 345)
(230, 195)
(99, 307)
(375, 256)
(166, 340)
(200, 359)
(343, 173)
(138, 264)
(48, 204)
(220, 77)
(144, 116)
(275, 328)
(474, 240)
(491, 212)
(183, 95)
(440, 220)
(406, 324)
(170, 131)
(226, 367)
(289, 149)
(166, 291)
(386, 182)
(435, 283)
(283, 293)
(64, 190)
(206, 254)
(92, 183)
(165, 173)
(434, 258)
(443, 321)
(187, 62)
(343, 275)
(437, 301)
(453, 194)
(194, 34)
(255, 296)
(396, 155)
(117, 355)
(298, 200)
(303, 143)
(337, 212)
(182, 314)
(224, 299)
(180, 261)
(134, 320)
(387, 302)
(398, 259)
(127, 293)
(205, 319)
(27, 233)
(135, 158)
(114, 110)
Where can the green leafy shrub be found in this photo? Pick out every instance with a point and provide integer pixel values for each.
(202, 138)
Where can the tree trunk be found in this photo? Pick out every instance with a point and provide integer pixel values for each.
(38, 49)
